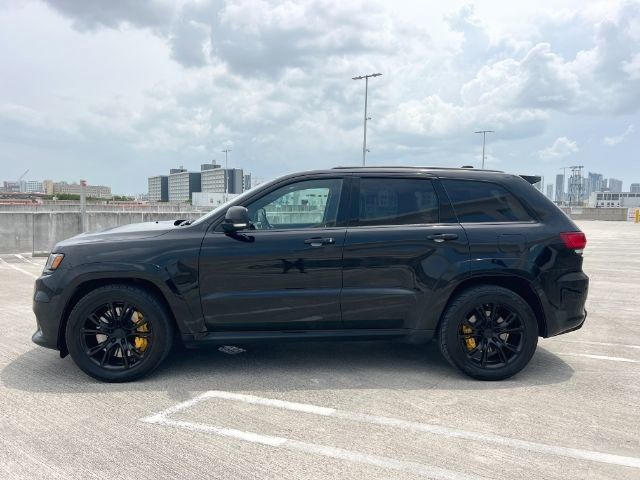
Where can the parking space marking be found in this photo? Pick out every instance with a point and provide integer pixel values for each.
(313, 448)
(24, 259)
(162, 418)
(604, 344)
(3, 262)
(599, 357)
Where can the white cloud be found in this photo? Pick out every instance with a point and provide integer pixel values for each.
(562, 147)
(176, 80)
(615, 140)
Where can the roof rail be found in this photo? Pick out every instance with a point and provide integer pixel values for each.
(414, 167)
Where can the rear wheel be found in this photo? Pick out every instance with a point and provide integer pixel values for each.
(489, 332)
(118, 333)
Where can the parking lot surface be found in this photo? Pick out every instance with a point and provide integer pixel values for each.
(335, 410)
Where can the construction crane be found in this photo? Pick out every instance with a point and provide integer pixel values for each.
(22, 176)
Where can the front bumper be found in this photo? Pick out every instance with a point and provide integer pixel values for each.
(45, 308)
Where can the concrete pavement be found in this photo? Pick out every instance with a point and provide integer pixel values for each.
(335, 410)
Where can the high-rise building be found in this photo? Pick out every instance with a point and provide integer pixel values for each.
(635, 188)
(594, 183)
(615, 185)
(182, 184)
(247, 182)
(212, 178)
(31, 186)
(560, 188)
(550, 192)
(235, 180)
(159, 188)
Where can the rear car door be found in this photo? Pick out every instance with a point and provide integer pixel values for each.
(286, 272)
(402, 250)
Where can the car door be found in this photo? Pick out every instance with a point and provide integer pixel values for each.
(402, 250)
(285, 272)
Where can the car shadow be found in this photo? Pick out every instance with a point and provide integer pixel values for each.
(282, 367)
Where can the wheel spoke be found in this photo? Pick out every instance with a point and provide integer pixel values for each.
(492, 314)
(124, 354)
(105, 355)
(91, 331)
(501, 354)
(126, 313)
(511, 330)
(95, 349)
(483, 357)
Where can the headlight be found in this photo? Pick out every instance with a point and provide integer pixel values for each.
(54, 261)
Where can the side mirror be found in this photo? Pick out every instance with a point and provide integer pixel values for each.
(236, 219)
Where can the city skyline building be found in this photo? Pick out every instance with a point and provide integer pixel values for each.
(182, 184)
(560, 188)
(158, 188)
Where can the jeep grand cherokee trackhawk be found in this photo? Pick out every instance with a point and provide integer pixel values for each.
(478, 259)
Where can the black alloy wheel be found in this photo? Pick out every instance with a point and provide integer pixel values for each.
(119, 333)
(488, 332)
(117, 336)
(491, 335)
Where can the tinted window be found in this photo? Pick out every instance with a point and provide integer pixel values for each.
(476, 202)
(306, 204)
(396, 201)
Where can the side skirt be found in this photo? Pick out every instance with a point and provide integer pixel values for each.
(224, 338)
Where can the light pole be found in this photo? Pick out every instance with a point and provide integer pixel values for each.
(484, 138)
(366, 91)
(226, 172)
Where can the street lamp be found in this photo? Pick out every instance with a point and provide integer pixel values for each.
(366, 91)
(484, 138)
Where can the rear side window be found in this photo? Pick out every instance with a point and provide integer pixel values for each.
(484, 202)
(397, 201)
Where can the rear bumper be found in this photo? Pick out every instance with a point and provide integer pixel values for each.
(566, 312)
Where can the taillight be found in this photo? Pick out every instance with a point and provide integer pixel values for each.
(574, 240)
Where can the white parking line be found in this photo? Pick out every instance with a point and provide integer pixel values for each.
(604, 344)
(21, 257)
(324, 450)
(599, 357)
(3, 262)
(577, 453)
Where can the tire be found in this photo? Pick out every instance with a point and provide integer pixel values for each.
(127, 328)
(488, 332)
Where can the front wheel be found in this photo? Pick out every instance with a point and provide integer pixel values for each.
(488, 332)
(118, 333)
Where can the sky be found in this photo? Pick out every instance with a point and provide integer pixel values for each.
(114, 92)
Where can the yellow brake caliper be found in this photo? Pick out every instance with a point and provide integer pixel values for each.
(469, 341)
(140, 343)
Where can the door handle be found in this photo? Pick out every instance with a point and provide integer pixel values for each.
(441, 237)
(318, 241)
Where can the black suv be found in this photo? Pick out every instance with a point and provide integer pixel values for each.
(478, 259)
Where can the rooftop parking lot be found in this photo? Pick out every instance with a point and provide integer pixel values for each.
(335, 410)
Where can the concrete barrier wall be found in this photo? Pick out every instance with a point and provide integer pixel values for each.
(588, 213)
(39, 231)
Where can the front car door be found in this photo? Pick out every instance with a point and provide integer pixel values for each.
(285, 273)
(403, 248)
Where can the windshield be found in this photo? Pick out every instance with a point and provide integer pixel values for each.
(235, 200)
